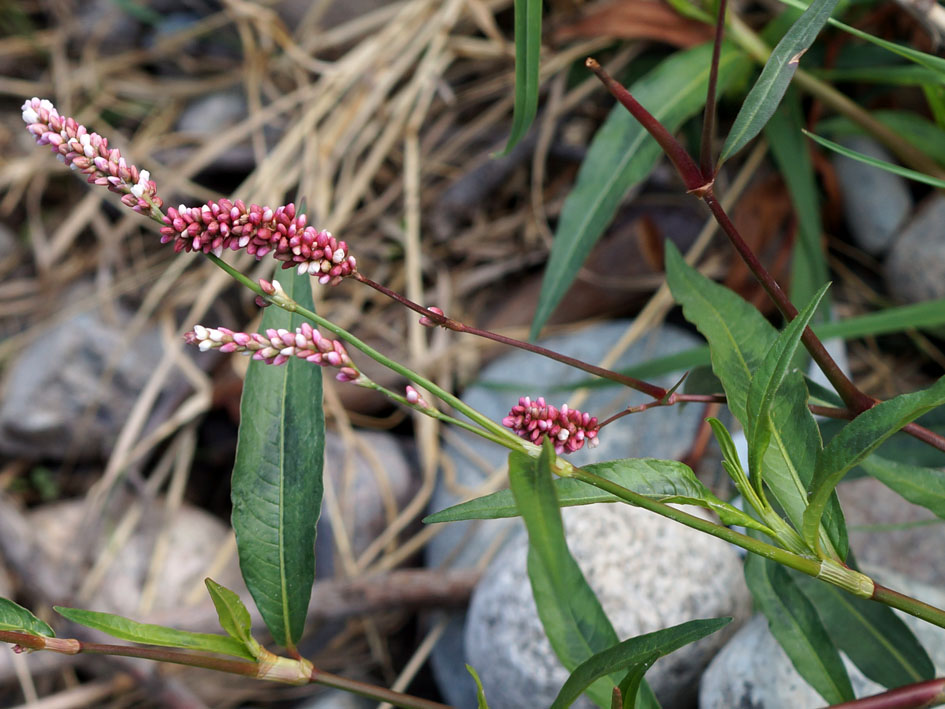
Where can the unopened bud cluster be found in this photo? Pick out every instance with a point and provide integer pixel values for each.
(568, 429)
(278, 347)
(226, 224)
(89, 154)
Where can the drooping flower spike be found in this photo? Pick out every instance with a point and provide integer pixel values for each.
(278, 347)
(226, 224)
(569, 429)
(88, 153)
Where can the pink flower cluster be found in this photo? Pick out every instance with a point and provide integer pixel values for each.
(216, 226)
(278, 346)
(569, 429)
(89, 154)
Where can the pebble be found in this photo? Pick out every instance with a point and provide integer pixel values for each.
(661, 432)
(57, 400)
(915, 267)
(876, 202)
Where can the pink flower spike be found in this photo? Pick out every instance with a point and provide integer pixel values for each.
(568, 428)
(414, 397)
(427, 322)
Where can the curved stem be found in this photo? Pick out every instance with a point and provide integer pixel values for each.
(450, 324)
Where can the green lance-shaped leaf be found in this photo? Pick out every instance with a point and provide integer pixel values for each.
(147, 634)
(641, 650)
(739, 338)
(527, 68)
(876, 162)
(918, 484)
(871, 634)
(234, 617)
(794, 622)
(277, 479)
(857, 440)
(480, 692)
(15, 617)
(663, 480)
(570, 613)
(621, 155)
(766, 94)
(766, 382)
(808, 262)
(918, 130)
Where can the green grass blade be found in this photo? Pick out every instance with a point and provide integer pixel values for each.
(13, 616)
(808, 262)
(936, 64)
(881, 164)
(794, 623)
(919, 131)
(480, 692)
(766, 94)
(857, 440)
(527, 69)
(641, 650)
(147, 634)
(622, 154)
(277, 479)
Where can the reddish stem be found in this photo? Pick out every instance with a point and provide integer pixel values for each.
(922, 694)
(708, 123)
(685, 165)
(653, 390)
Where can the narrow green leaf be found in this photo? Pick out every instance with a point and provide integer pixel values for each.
(571, 614)
(277, 480)
(527, 68)
(642, 650)
(13, 616)
(480, 693)
(768, 379)
(662, 480)
(936, 64)
(871, 635)
(808, 262)
(233, 615)
(916, 129)
(622, 154)
(739, 338)
(875, 162)
(766, 94)
(147, 634)
(794, 622)
(896, 74)
(857, 440)
(919, 485)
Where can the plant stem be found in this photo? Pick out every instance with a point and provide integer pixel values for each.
(930, 693)
(245, 668)
(666, 401)
(706, 163)
(912, 606)
(656, 392)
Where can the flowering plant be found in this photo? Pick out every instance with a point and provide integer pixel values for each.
(791, 521)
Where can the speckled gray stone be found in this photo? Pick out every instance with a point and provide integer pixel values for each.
(660, 432)
(876, 203)
(753, 671)
(648, 572)
(915, 267)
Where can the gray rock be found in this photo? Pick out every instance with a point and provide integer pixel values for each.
(876, 202)
(753, 671)
(67, 393)
(915, 268)
(207, 116)
(335, 699)
(654, 433)
(633, 561)
(372, 483)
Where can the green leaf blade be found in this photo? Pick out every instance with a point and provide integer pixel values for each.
(234, 616)
(632, 653)
(765, 96)
(871, 634)
(527, 68)
(876, 162)
(15, 617)
(918, 484)
(147, 634)
(794, 622)
(857, 440)
(622, 154)
(277, 480)
(570, 612)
